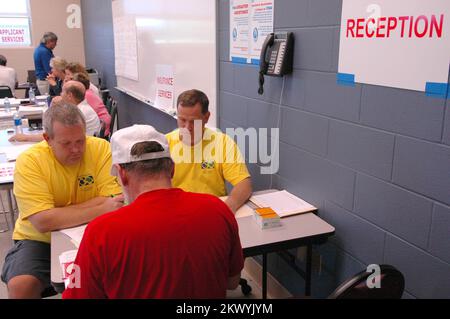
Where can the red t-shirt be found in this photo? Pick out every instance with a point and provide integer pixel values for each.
(166, 244)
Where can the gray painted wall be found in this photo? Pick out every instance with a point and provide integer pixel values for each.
(375, 160)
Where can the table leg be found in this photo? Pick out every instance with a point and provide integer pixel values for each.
(10, 204)
(264, 276)
(6, 223)
(308, 270)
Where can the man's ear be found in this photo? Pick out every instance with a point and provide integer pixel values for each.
(46, 137)
(122, 174)
(206, 117)
(172, 173)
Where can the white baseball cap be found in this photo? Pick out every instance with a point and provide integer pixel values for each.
(123, 140)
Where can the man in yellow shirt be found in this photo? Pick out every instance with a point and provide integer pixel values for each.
(61, 182)
(204, 158)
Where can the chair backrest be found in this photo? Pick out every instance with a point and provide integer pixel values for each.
(101, 133)
(391, 285)
(108, 104)
(5, 91)
(113, 114)
(31, 78)
(93, 76)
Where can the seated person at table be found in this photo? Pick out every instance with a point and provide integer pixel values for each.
(167, 243)
(73, 93)
(61, 182)
(8, 76)
(73, 68)
(197, 169)
(56, 77)
(94, 101)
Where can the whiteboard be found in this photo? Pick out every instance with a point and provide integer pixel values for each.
(175, 35)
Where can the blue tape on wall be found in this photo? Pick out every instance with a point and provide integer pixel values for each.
(435, 89)
(345, 79)
(238, 60)
(255, 61)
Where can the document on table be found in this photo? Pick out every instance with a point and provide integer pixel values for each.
(16, 148)
(283, 203)
(75, 234)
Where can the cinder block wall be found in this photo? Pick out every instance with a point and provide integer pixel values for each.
(375, 160)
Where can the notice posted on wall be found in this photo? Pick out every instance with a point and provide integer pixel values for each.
(125, 45)
(261, 24)
(239, 30)
(14, 32)
(165, 88)
(402, 44)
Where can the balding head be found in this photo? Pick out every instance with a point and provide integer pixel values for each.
(73, 92)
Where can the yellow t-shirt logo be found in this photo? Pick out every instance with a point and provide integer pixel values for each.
(208, 164)
(85, 180)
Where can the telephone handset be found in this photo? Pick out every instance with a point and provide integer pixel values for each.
(276, 56)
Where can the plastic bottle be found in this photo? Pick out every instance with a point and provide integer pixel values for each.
(32, 95)
(17, 123)
(7, 104)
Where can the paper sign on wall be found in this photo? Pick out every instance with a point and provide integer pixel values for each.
(261, 24)
(14, 32)
(403, 44)
(250, 22)
(164, 87)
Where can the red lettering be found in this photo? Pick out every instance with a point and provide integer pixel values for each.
(391, 26)
(370, 35)
(434, 26)
(359, 27)
(165, 94)
(403, 20)
(410, 25)
(425, 27)
(381, 27)
(350, 27)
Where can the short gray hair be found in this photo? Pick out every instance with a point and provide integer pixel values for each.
(152, 167)
(49, 36)
(64, 113)
(58, 63)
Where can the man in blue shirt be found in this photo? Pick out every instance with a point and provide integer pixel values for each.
(42, 56)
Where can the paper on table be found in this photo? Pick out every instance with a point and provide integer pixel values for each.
(7, 172)
(75, 233)
(283, 203)
(13, 151)
(243, 211)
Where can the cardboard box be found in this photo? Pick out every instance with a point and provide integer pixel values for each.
(266, 217)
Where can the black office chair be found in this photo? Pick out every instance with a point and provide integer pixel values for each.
(5, 91)
(108, 104)
(101, 134)
(31, 78)
(114, 116)
(392, 284)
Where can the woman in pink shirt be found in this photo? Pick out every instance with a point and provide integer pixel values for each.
(94, 101)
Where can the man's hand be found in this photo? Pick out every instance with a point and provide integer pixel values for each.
(240, 193)
(113, 203)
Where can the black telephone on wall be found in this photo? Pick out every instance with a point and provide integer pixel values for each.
(276, 56)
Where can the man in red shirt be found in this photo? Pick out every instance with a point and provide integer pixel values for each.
(166, 243)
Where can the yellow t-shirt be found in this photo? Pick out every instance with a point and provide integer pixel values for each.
(42, 183)
(204, 167)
